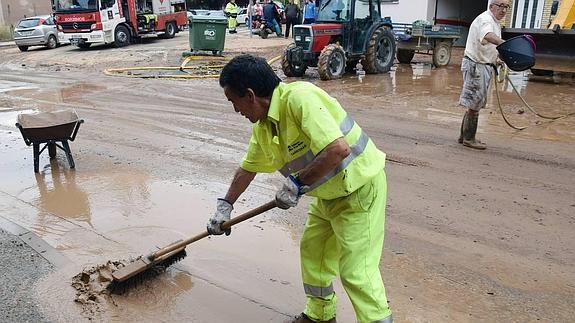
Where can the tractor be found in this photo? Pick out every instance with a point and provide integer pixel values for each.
(345, 33)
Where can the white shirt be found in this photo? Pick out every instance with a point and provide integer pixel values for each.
(477, 48)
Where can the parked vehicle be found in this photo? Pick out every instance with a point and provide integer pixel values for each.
(243, 17)
(345, 33)
(36, 31)
(555, 50)
(424, 38)
(118, 22)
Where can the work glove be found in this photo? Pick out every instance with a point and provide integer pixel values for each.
(288, 195)
(223, 214)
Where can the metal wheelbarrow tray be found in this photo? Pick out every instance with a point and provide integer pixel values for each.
(49, 128)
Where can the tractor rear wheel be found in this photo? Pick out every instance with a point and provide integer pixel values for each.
(331, 62)
(380, 51)
(441, 53)
(290, 69)
(404, 56)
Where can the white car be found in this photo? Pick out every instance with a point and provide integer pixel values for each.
(36, 31)
(243, 17)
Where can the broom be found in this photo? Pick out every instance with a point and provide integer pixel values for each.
(156, 262)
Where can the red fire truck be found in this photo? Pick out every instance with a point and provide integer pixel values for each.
(118, 22)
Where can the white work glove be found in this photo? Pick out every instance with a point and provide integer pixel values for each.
(223, 214)
(288, 195)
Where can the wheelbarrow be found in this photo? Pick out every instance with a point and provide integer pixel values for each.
(49, 128)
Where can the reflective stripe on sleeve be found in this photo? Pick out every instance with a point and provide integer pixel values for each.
(302, 161)
(356, 150)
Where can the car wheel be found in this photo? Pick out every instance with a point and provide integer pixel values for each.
(247, 21)
(52, 42)
(23, 48)
(122, 36)
(170, 31)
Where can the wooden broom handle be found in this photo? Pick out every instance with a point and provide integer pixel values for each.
(226, 225)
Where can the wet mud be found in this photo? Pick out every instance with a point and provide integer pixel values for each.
(467, 233)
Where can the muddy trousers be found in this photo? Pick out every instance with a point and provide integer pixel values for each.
(345, 236)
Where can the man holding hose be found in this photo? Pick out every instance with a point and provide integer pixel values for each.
(305, 134)
(479, 59)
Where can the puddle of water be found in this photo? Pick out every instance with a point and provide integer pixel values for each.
(8, 86)
(433, 94)
(9, 117)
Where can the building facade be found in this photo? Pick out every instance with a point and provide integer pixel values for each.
(11, 11)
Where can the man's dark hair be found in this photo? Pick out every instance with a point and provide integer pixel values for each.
(249, 72)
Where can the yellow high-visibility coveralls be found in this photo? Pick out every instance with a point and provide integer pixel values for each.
(232, 11)
(345, 226)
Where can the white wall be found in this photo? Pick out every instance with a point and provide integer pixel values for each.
(405, 11)
(464, 11)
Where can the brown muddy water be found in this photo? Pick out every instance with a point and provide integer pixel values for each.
(425, 93)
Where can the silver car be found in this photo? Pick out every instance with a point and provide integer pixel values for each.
(36, 31)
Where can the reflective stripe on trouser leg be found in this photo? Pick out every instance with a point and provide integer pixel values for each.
(318, 252)
(357, 221)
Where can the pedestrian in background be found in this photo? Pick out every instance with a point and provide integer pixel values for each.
(292, 14)
(309, 12)
(306, 135)
(479, 61)
(231, 11)
(272, 17)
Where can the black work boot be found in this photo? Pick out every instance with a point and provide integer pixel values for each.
(302, 318)
(460, 140)
(469, 131)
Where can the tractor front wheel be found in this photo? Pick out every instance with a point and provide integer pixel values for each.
(289, 68)
(331, 62)
(380, 51)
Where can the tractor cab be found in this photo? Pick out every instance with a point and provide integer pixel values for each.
(345, 32)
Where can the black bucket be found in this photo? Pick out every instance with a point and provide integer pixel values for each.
(518, 52)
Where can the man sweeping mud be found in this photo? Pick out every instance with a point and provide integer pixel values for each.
(305, 134)
(477, 66)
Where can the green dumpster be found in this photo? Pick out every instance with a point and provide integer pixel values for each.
(208, 33)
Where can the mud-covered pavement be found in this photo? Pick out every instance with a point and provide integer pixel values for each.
(471, 236)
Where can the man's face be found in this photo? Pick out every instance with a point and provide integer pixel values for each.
(245, 105)
(499, 8)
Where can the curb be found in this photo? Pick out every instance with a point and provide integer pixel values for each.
(7, 43)
(48, 252)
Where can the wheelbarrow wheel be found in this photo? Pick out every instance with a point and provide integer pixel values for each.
(52, 150)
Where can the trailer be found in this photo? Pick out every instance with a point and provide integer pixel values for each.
(117, 22)
(422, 38)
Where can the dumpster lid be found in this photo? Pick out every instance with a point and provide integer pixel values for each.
(209, 18)
(48, 119)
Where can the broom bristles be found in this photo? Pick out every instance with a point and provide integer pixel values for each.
(152, 270)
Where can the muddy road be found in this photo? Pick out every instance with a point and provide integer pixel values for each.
(471, 236)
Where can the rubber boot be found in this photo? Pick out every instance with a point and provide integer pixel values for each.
(469, 131)
(302, 318)
(460, 140)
